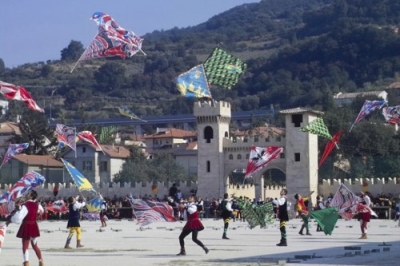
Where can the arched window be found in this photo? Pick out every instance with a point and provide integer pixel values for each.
(226, 134)
(208, 134)
(208, 166)
(230, 156)
(239, 156)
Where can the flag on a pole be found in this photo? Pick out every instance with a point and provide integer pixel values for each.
(367, 108)
(259, 157)
(329, 146)
(67, 135)
(89, 137)
(14, 92)
(80, 181)
(27, 182)
(326, 219)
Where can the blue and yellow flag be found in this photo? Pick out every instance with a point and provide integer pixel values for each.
(80, 181)
(123, 110)
(193, 83)
(95, 204)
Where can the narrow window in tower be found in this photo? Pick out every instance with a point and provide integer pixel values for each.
(208, 134)
(208, 166)
(297, 119)
(297, 157)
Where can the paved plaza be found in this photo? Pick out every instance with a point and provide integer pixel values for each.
(124, 243)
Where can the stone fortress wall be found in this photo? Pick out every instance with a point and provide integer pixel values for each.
(375, 186)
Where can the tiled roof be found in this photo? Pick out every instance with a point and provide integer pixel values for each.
(192, 145)
(172, 133)
(260, 131)
(394, 85)
(41, 160)
(352, 95)
(116, 151)
(300, 110)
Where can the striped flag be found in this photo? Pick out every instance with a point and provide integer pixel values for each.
(260, 157)
(147, 212)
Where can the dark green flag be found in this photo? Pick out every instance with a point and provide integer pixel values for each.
(326, 218)
(223, 69)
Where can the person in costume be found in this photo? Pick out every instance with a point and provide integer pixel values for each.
(193, 225)
(319, 206)
(303, 212)
(364, 214)
(26, 215)
(283, 215)
(226, 213)
(73, 221)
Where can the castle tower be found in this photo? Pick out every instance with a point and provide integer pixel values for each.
(213, 119)
(301, 153)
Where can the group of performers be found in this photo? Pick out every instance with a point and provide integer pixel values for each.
(26, 215)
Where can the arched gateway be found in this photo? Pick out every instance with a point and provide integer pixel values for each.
(220, 155)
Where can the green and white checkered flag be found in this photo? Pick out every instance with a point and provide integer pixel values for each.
(223, 69)
(317, 127)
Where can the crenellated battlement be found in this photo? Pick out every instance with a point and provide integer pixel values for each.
(212, 108)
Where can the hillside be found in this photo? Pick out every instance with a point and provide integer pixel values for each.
(299, 53)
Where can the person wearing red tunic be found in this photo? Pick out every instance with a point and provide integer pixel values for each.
(26, 215)
(302, 209)
(364, 214)
(193, 225)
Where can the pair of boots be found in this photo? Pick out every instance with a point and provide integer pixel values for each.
(224, 236)
(283, 243)
(67, 246)
(183, 252)
(301, 231)
(364, 236)
(26, 263)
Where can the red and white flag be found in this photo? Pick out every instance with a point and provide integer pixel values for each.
(259, 157)
(14, 92)
(89, 137)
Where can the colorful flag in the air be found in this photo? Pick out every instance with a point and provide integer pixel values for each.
(223, 69)
(13, 149)
(147, 211)
(326, 219)
(329, 147)
(14, 92)
(3, 228)
(367, 108)
(57, 208)
(91, 216)
(123, 110)
(95, 204)
(67, 135)
(111, 40)
(89, 137)
(317, 127)
(392, 114)
(344, 199)
(260, 157)
(27, 182)
(80, 181)
(261, 215)
(193, 83)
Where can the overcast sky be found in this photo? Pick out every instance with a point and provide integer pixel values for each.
(35, 31)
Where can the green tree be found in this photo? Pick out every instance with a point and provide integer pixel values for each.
(34, 130)
(110, 76)
(73, 51)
